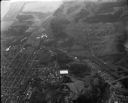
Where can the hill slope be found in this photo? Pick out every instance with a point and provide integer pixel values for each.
(99, 27)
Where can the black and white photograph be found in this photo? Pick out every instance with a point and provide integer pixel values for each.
(64, 51)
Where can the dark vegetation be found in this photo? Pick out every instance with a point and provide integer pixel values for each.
(58, 25)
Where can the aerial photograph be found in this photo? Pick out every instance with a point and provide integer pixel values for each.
(64, 51)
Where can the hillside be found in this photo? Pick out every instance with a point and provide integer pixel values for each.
(99, 27)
